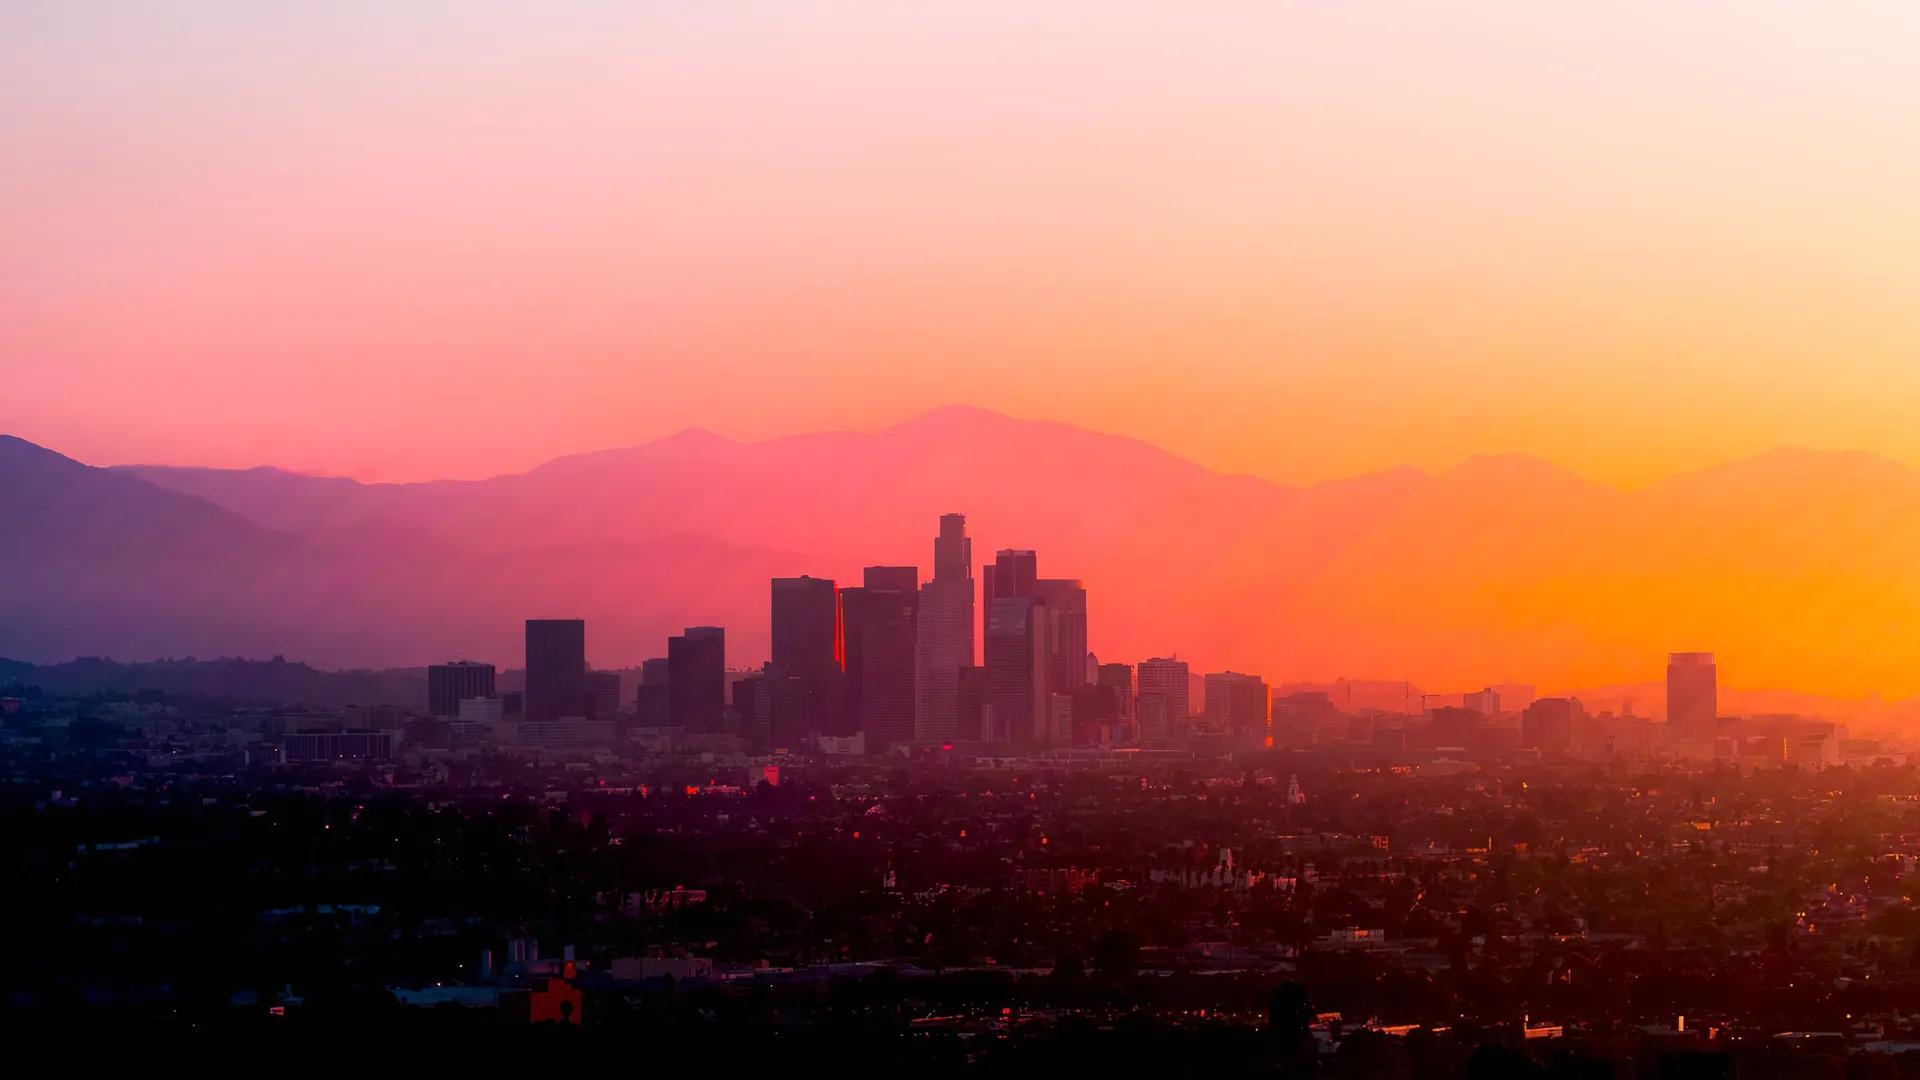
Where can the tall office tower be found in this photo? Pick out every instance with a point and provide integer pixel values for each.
(809, 640)
(880, 631)
(1485, 702)
(1018, 695)
(1066, 601)
(1237, 707)
(1161, 704)
(943, 638)
(1117, 681)
(603, 695)
(451, 683)
(1693, 697)
(696, 679)
(556, 669)
(1548, 724)
(952, 550)
(1013, 572)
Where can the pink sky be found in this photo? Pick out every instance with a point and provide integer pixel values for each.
(1299, 240)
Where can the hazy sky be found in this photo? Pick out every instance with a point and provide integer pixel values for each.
(403, 240)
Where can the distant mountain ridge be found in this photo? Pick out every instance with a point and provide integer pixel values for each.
(1797, 567)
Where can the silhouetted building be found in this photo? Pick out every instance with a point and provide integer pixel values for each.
(1486, 702)
(1066, 601)
(1116, 680)
(809, 640)
(776, 710)
(880, 622)
(1455, 728)
(943, 638)
(1693, 697)
(1236, 706)
(1018, 703)
(1013, 572)
(696, 679)
(603, 695)
(1306, 718)
(1160, 706)
(1549, 723)
(451, 683)
(651, 705)
(556, 669)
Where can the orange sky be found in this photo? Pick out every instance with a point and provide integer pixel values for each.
(1298, 240)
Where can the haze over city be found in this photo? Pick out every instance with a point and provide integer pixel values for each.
(849, 538)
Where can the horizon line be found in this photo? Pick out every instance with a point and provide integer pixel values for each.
(701, 430)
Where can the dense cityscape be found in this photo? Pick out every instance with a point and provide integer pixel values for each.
(873, 845)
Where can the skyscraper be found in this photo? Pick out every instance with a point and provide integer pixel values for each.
(1161, 704)
(451, 683)
(1117, 681)
(696, 679)
(943, 638)
(809, 640)
(1066, 600)
(952, 550)
(879, 617)
(1693, 698)
(1018, 694)
(556, 669)
(1013, 572)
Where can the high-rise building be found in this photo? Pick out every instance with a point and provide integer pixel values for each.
(1305, 718)
(1066, 600)
(776, 710)
(943, 638)
(1693, 697)
(451, 683)
(809, 640)
(1117, 681)
(1161, 698)
(696, 679)
(1485, 702)
(651, 708)
(1548, 724)
(1013, 572)
(603, 695)
(556, 669)
(879, 617)
(1236, 706)
(953, 550)
(1018, 700)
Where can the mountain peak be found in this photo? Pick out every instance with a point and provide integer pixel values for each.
(18, 452)
(1514, 469)
(949, 417)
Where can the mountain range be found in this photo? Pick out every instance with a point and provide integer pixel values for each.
(1797, 567)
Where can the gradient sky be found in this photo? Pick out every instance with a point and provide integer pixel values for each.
(1298, 240)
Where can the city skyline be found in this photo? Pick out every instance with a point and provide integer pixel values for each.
(1342, 566)
(963, 538)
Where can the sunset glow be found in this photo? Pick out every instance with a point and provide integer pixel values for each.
(1299, 241)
